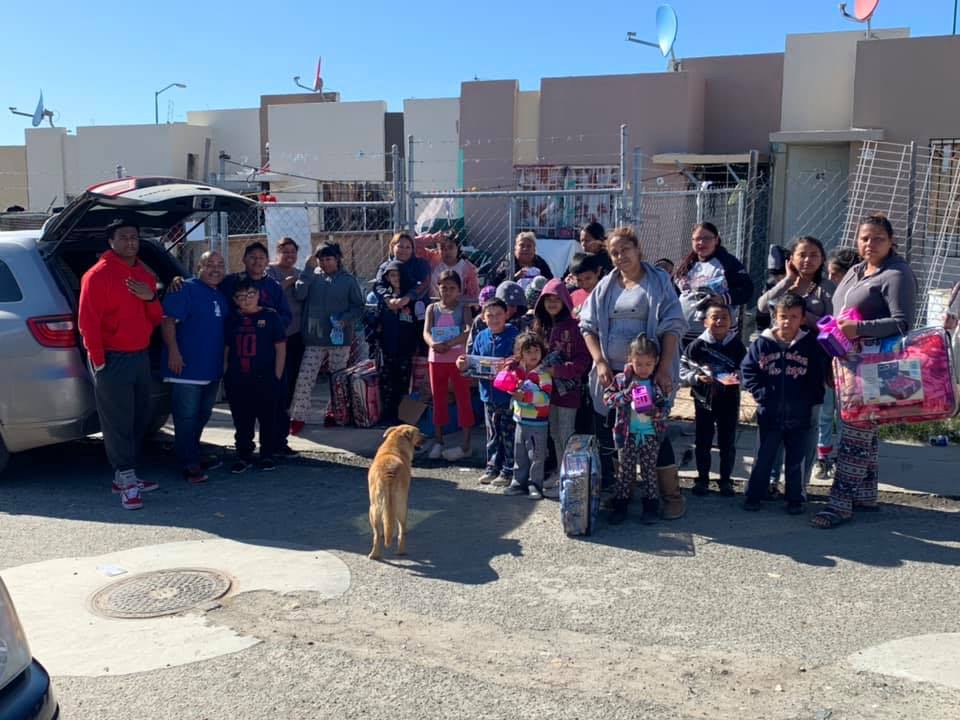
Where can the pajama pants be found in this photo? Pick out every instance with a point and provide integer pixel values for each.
(442, 374)
(562, 425)
(857, 472)
(314, 358)
(639, 452)
(501, 433)
(529, 455)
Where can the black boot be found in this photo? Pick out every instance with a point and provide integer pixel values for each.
(726, 488)
(651, 511)
(619, 511)
(701, 487)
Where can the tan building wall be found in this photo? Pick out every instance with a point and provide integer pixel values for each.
(527, 128)
(742, 101)
(13, 176)
(908, 88)
(818, 78)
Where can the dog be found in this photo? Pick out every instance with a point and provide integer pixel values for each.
(389, 483)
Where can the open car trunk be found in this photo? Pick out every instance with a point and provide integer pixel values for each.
(163, 208)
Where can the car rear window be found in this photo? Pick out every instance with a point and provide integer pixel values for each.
(9, 290)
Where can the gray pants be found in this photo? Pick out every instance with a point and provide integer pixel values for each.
(122, 389)
(529, 455)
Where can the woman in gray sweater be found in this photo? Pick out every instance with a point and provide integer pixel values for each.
(332, 303)
(884, 289)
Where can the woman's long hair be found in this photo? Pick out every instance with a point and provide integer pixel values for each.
(543, 321)
(818, 275)
(691, 257)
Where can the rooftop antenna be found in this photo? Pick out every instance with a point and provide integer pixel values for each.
(862, 12)
(37, 116)
(667, 26)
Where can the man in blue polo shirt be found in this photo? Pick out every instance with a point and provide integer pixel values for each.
(193, 359)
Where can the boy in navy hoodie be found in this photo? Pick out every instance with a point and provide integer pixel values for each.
(711, 367)
(784, 371)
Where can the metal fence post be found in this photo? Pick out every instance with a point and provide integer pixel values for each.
(411, 198)
(624, 188)
(397, 185)
(510, 225)
(911, 201)
(636, 210)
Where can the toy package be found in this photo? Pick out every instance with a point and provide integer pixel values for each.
(580, 485)
(906, 379)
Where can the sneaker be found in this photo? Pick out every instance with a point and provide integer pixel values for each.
(533, 492)
(488, 477)
(297, 426)
(240, 466)
(130, 498)
(551, 493)
(436, 452)
(726, 488)
(453, 454)
(701, 487)
(123, 478)
(211, 462)
(822, 471)
(267, 465)
(502, 481)
(287, 452)
(513, 489)
(195, 475)
(147, 485)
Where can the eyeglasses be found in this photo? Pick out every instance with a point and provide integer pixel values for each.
(244, 295)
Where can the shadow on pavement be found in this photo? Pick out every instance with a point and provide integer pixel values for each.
(454, 534)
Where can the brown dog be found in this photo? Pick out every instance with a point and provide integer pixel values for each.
(389, 485)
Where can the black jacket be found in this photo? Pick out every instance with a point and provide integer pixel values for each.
(716, 356)
(785, 382)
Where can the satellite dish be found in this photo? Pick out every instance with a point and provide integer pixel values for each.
(863, 9)
(667, 28)
(38, 113)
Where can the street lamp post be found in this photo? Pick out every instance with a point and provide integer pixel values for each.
(156, 101)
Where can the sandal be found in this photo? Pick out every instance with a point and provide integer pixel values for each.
(827, 519)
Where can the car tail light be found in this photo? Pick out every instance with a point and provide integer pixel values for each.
(54, 331)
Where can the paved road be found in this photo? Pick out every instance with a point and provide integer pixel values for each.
(495, 614)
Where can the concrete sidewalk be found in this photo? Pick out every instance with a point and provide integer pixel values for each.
(904, 467)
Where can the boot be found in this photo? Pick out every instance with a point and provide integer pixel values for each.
(619, 511)
(650, 515)
(673, 505)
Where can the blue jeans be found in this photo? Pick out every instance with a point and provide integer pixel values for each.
(770, 440)
(191, 406)
(825, 429)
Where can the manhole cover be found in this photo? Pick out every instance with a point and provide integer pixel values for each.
(162, 592)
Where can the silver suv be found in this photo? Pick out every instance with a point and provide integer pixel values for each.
(46, 391)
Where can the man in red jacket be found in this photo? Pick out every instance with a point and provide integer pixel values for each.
(119, 309)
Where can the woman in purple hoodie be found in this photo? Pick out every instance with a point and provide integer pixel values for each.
(568, 360)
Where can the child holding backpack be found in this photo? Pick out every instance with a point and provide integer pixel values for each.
(445, 332)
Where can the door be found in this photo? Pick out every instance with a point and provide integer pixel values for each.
(816, 201)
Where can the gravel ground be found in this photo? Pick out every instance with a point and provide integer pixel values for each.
(496, 614)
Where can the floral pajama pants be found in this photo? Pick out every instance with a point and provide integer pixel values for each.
(857, 471)
(638, 453)
(314, 359)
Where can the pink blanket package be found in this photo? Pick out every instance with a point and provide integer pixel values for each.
(906, 379)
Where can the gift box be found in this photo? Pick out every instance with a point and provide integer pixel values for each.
(642, 397)
(907, 380)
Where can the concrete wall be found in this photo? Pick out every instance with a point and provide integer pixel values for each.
(236, 132)
(527, 128)
(741, 102)
(13, 177)
(289, 99)
(908, 88)
(47, 162)
(435, 126)
(818, 79)
(487, 116)
(328, 141)
(580, 117)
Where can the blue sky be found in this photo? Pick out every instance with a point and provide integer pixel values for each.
(101, 66)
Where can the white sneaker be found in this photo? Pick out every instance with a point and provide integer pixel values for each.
(453, 454)
(436, 452)
(130, 498)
